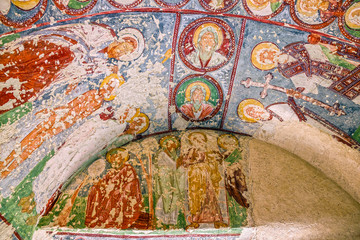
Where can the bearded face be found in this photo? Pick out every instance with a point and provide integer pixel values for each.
(207, 42)
(197, 98)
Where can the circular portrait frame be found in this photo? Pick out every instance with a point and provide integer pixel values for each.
(185, 86)
(207, 5)
(75, 12)
(276, 12)
(342, 23)
(308, 25)
(193, 30)
(124, 6)
(180, 4)
(37, 14)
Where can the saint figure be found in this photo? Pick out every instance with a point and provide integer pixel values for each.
(197, 108)
(115, 201)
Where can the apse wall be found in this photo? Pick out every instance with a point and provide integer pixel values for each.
(80, 78)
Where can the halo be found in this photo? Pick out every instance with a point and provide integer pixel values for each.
(25, 5)
(255, 6)
(147, 123)
(205, 25)
(193, 133)
(138, 37)
(204, 85)
(349, 19)
(115, 150)
(137, 114)
(242, 107)
(163, 140)
(222, 139)
(308, 13)
(260, 49)
(107, 79)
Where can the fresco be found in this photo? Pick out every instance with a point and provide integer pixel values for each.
(79, 78)
(185, 180)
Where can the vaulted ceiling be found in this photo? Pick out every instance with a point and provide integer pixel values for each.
(79, 78)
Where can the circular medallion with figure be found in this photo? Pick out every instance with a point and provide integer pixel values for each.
(124, 3)
(206, 44)
(75, 7)
(24, 13)
(218, 5)
(349, 23)
(198, 97)
(172, 3)
(264, 8)
(314, 14)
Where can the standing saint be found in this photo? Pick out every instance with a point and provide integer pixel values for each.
(115, 201)
(169, 181)
(203, 182)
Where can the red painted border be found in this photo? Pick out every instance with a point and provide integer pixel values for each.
(172, 68)
(27, 23)
(197, 23)
(7, 222)
(142, 236)
(225, 9)
(74, 12)
(163, 3)
(237, 57)
(185, 11)
(211, 80)
(123, 6)
(307, 25)
(341, 24)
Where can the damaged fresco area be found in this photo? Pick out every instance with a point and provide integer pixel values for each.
(79, 79)
(183, 180)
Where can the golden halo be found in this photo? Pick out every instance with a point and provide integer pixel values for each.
(256, 6)
(242, 107)
(259, 49)
(116, 150)
(25, 5)
(223, 139)
(107, 79)
(147, 121)
(204, 85)
(194, 133)
(352, 16)
(137, 113)
(163, 140)
(307, 11)
(205, 25)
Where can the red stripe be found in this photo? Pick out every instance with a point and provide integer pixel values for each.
(238, 52)
(172, 67)
(188, 11)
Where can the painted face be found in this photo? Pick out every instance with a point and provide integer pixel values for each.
(123, 48)
(117, 159)
(107, 89)
(197, 140)
(207, 42)
(267, 56)
(198, 96)
(170, 145)
(137, 124)
(256, 112)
